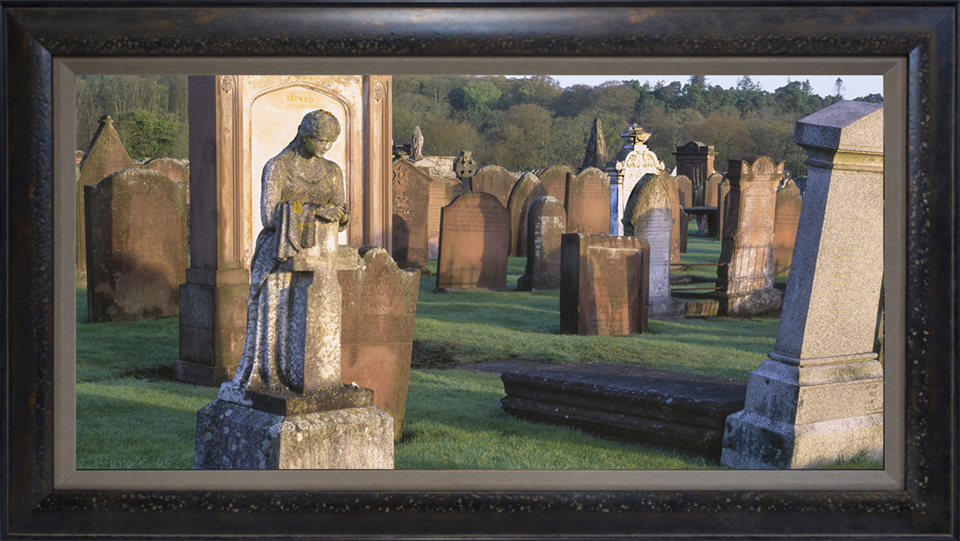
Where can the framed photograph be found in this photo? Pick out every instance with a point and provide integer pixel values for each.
(46, 45)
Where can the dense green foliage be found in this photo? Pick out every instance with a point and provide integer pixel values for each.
(149, 112)
(531, 123)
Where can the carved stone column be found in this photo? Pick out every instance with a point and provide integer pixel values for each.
(213, 301)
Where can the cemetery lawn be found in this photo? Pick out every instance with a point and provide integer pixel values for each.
(131, 414)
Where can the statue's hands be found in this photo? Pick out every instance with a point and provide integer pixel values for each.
(333, 213)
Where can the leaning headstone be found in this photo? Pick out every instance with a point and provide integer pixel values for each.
(411, 198)
(785, 221)
(474, 243)
(649, 215)
(603, 285)
(588, 202)
(441, 193)
(379, 302)
(136, 229)
(745, 275)
(524, 193)
(546, 226)
(104, 157)
(820, 395)
(596, 154)
(554, 180)
(494, 180)
(626, 169)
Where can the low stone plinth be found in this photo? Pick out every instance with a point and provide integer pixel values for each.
(667, 308)
(659, 407)
(749, 304)
(331, 429)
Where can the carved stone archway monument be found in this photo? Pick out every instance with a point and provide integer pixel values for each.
(236, 124)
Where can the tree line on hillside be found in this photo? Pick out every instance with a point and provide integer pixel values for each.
(530, 123)
(149, 113)
(520, 124)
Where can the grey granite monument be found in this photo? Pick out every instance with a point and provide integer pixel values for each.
(819, 397)
(286, 408)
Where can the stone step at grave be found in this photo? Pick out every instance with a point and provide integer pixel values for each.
(660, 407)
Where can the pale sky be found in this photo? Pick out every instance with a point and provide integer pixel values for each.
(823, 85)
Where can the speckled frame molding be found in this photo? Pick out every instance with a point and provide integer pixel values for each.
(46, 43)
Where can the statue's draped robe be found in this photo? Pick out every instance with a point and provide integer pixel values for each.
(276, 306)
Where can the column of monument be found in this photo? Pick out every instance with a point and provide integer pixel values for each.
(213, 301)
(820, 395)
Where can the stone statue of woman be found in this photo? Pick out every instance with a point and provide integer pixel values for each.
(293, 311)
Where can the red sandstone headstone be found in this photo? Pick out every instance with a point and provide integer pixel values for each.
(104, 157)
(441, 193)
(494, 180)
(177, 171)
(554, 180)
(474, 243)
(785, 220)
(379, 303)
(588, 202)
(411, 198)
(546, 227)
(711, 190)
(524, 193)
(136, 246)
(745, 276)
(604, 285)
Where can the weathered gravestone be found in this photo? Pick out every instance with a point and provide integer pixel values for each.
(745, 275)
(104, 157)
(785, 221)
(136, 229)
(588, 202)
(820, 395)
(554, 180)
(711, 190)
(527, 190)
(177, 171)
(474, 243)
(649, 215)
(411, 199)
(379, 302)
(676, 213)
(546, 226)
(723, 190)
(596, 154)
(287, 407)
(686, 195)
(494, 180)
(626, 169)
(441, 193)
(603, 285)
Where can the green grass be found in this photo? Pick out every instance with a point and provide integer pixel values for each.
(131, 415)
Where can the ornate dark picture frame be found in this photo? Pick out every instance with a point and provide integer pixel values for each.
(40, 38)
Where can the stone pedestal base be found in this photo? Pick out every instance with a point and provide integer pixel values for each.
(276, 431)
(667, 308)
(749, 304)
(804, 413)
(213, 325)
